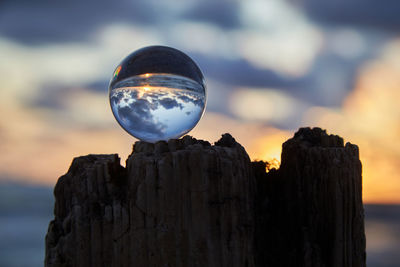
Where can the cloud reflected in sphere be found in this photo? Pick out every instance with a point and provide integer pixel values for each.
(157, 93)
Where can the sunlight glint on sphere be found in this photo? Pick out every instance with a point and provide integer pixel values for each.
(157, 93)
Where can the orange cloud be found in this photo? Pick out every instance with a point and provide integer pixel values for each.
(261, 142)
(42, 154)
(370, 118)
(38, 145)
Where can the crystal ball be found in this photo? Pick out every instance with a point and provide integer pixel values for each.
(157, 93)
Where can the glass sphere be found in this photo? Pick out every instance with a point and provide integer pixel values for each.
(157, 93)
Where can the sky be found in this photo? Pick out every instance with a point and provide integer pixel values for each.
(270, 68)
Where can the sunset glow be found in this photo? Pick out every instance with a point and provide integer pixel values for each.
(266, 78)
(370, 118)
(90, 77)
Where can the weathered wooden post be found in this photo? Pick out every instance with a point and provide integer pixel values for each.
(310, 211)
(187, 203)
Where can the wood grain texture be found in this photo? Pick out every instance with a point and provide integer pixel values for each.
(311, 210)
(188, 203)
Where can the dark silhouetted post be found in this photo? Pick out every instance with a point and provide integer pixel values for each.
(310, 211)
(187, 203)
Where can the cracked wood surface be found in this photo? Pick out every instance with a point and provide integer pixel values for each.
(187, 203)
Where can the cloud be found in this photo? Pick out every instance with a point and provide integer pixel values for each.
(151, 114)
(330, 79)
(239, 72)
(262, 142)
(370, 118)
(267, 105)
(44, 21)
(51, 96)
(54, 99)
(224, 14)
(267, 59)
(187, 97)
(328, 82)
(67, 107)
(277, 36)
(363, 13)
(138, 120)
(169, 103)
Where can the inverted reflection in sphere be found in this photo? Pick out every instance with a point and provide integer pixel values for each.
(157, 93)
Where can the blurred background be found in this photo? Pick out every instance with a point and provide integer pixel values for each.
(271, 66)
